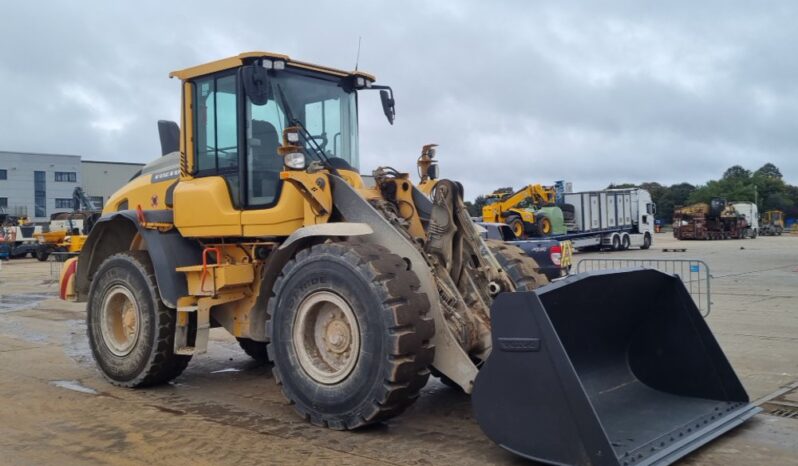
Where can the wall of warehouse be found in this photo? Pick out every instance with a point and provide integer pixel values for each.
(102, 179)
(36, 185)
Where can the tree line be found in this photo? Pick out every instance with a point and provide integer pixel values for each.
(765, 186)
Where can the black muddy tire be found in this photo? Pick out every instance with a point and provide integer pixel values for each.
(349, 334)
(254, 349)
(647, 241)
(138, 354)
(42, 253)
(522, 269)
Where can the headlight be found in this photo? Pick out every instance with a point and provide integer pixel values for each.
(294, 160)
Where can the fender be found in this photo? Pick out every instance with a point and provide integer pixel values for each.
(276, 261)
(114, 233)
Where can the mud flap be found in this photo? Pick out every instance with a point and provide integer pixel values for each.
(606, 368)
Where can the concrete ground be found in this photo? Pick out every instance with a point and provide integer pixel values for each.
(226, 409)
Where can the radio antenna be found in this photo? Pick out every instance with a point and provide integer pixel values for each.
(357, 58)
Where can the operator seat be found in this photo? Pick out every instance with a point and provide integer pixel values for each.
(266, 164)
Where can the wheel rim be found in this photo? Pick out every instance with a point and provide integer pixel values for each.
(546, 226)
(518, 228)
(326, 337)
(120, 320)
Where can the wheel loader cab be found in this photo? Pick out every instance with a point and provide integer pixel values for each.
(233, 124)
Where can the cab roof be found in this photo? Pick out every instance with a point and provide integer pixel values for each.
(240, 59)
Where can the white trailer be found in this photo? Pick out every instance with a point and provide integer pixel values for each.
(750, 212)
(611, 219)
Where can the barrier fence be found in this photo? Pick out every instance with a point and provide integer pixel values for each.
(694, 273)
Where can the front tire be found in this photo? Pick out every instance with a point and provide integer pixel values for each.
(131, 332)
(349, 334)
(647, 241)
(518, 226)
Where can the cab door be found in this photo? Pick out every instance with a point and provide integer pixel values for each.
(208, 203)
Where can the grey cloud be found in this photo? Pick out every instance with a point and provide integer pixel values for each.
(514, 92)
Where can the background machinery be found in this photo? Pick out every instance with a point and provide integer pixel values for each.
(67, 231)
(716, 220)
(772, 223)
(258, 221)
(530, 211)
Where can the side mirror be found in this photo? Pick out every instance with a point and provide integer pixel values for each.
(388, 104)
(256, 84)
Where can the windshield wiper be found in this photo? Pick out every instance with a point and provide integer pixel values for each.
(309, 140)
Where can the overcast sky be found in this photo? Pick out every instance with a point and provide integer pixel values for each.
(514, 92)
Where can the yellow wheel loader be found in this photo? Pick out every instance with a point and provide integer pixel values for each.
(257, 219)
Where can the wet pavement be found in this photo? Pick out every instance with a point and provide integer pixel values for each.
(226, 409)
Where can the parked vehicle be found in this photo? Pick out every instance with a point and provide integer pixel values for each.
(357, 293)
(750, 214)
(716, 220)
(772, 223)
(614, 219)
(554, 257)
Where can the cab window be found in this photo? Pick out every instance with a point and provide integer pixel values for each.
(216, 125)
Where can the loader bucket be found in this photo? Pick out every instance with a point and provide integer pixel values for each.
(606, 368)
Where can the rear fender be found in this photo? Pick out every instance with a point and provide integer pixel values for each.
(115, 232)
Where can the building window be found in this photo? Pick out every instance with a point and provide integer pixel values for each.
(70, 177)
(4, 202)
(97, 201)
(40, 194)
(63, 203)
(3, 174)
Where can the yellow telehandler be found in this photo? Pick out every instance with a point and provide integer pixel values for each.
(541, 218)
(257, 219)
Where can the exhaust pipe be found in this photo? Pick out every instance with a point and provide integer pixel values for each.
(606, 368)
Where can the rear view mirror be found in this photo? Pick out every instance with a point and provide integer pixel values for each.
(256, 84)
(388, 104)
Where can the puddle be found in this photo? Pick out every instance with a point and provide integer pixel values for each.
(73, 385)
(229, 369)
(18, 302)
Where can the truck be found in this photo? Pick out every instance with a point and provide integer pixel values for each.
(750, 213)
(715, 220)
(553, 257)
(614, 219)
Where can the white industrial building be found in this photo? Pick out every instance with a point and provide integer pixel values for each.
(37, 185)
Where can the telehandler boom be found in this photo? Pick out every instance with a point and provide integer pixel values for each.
(257, 219)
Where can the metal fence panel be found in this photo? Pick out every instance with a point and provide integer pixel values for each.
(694, 273)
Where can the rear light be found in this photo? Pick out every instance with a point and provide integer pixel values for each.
(555, 253)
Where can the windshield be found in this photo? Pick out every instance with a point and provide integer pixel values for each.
(327, 112)
(319, 105)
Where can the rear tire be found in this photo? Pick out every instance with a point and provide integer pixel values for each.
(42, 253)
(616, 242)
(625, 242)
(254, 349)
(522, 269)
(349, 334)
(131, 332)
